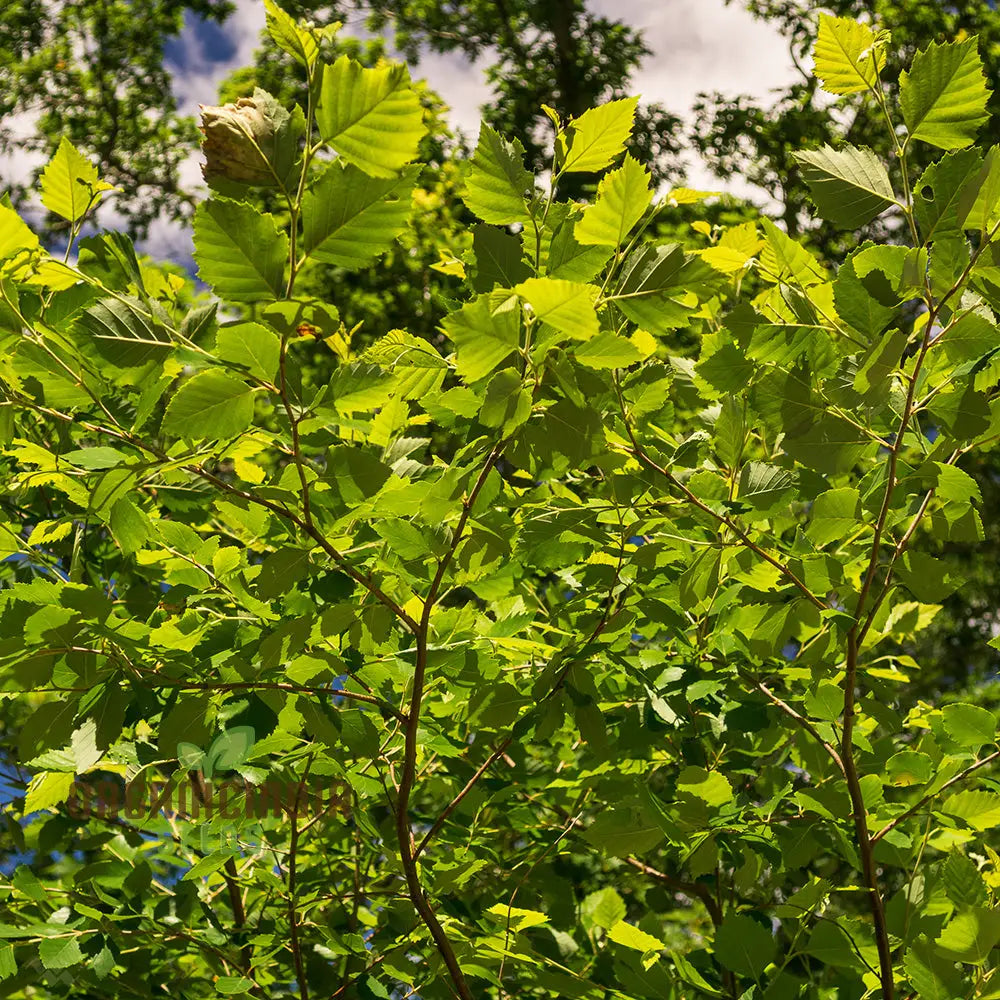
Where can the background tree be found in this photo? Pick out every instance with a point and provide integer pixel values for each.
(93, 71)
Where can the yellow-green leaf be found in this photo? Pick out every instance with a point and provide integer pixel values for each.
(849, 55)
(70, 184)
(598, 136)
(622, 197)
(943, 95)
(566, 305)
(372, 117)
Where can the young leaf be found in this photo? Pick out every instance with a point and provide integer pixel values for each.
(630, 936)
(372, 117)
(943, 95)
(622, 198)
(850, 186)
(485, 331)
(565, 305)
(351, 218)
(497, 180)
(298, 42)
(239, 251)
(70, 184)
(210, 404)
(848, 55)
(598, 136)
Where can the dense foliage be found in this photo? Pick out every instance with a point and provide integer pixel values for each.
(539, 659)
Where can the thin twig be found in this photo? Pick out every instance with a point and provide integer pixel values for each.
(961, 776)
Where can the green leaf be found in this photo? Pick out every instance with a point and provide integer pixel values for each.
(784, 259)
(207, 865)
(850, 186)
(8, 964)
(838, 943)
(744, 946)
(654, 283)
(485, 331)
(849, 55)
(709, 786)
(280, 571)
(125, 331)
(351, 218)
(943, 95)
(239, 251)
(971, 935)
(59, 952)
(607, 350)
(909, 767)
(765, 486)
(625, 830)
(497, 180)
(507, 403)
(129, 525)
(570, 259)
(401, 349)
(629, 936)
(981, 810)
(70, 183)
(47, 790)
(603, 908)
(15, 236)
(962, 881)
(498, 259)
(372, 117)
(970, 725)
(622, 198)
(518, 919)
(933, 977)
(210, 404)
(855, 304)
(287, 35)
(937, 194)
(233, 985)
(565, 305)
(979, 199)
(251, 346)
(404, 538)
(598, 136)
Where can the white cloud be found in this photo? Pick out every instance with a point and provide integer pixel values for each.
(702, 46)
